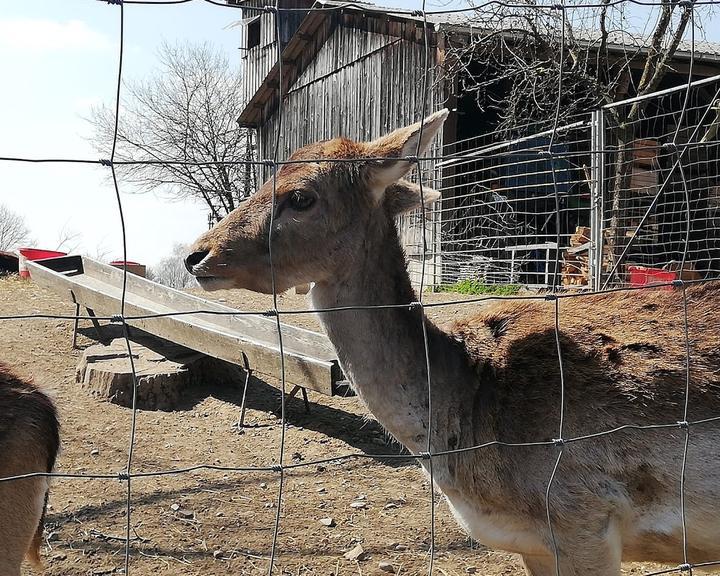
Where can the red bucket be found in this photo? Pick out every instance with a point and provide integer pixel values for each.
(34, 254)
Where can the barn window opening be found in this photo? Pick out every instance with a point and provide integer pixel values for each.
(253, 33)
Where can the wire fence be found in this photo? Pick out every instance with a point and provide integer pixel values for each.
(498, 218)
(646, 162)
(680, 157)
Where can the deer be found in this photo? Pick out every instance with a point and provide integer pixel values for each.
(495, 375)
(29, 444)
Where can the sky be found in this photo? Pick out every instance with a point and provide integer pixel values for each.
(59, 58)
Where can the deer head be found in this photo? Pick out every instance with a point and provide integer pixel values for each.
(323, 211)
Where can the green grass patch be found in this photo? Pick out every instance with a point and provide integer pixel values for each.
(475, 287)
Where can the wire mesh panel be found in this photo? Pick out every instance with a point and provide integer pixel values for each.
(498, 213)
(657, 145)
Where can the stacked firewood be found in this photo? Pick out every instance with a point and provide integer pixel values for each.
(576, 269)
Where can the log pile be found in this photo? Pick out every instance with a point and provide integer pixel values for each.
(576, 268)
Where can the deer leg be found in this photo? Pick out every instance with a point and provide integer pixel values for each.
(581, 553)
(21, 505)
(539, 565)
(571, 566)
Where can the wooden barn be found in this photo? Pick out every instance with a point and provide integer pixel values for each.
(355, 72)
(358, 70)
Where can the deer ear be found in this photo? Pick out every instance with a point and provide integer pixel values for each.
(403, 196)
(412, 140)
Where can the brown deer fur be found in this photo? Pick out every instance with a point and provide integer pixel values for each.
(495, 375)
(29, 443)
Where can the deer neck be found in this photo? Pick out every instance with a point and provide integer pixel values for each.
(382, 350)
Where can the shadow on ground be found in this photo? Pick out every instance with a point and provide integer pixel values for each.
(228, 383)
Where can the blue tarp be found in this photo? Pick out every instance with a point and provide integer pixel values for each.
(529, 173)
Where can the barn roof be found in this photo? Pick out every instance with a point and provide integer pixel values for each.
(312, 34)
(459, 21)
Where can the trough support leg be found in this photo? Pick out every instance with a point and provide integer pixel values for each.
(248, 374)
(294, 392)
(96, 324)
(75, 325)
(305, 399)
(547, 267)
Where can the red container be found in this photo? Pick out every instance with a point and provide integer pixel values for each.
(34, 254)
(132, 267)
(642, 276)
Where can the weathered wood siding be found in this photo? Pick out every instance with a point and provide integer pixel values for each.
(259, 60)
(363, 84)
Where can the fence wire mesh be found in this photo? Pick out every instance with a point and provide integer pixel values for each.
(663, 202)
(498, 214)
(646, 183)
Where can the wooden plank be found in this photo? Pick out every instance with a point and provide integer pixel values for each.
(309, 356)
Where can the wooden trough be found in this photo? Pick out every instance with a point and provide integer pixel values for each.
(309, 357)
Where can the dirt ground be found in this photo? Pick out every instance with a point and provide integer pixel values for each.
(215, 522)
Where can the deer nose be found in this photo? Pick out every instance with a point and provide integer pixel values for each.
(194, 259)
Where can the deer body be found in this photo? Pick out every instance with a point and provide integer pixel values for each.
(495, 376)
(29, 443)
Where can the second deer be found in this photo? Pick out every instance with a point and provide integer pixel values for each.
(29, 443)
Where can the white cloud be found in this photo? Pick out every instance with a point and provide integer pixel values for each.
(37, 36)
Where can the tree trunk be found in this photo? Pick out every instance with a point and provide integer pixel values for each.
(166, 373)
(615, 235)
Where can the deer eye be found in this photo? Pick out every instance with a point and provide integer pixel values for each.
(300, 200)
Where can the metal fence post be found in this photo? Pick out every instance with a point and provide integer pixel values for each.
(597, 196)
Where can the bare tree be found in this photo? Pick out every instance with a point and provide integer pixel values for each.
(183, 115)
(171, 270)
(538, 67)
(524, 58)
(13, 230)
(68, 240)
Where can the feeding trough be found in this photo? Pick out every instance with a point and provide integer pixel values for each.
(220, 331)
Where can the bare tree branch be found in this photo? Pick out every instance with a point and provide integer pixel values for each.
(13, 230)
(171, 270)
(665, 42)
(519, 51)
(68, 240)
(186, 112)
